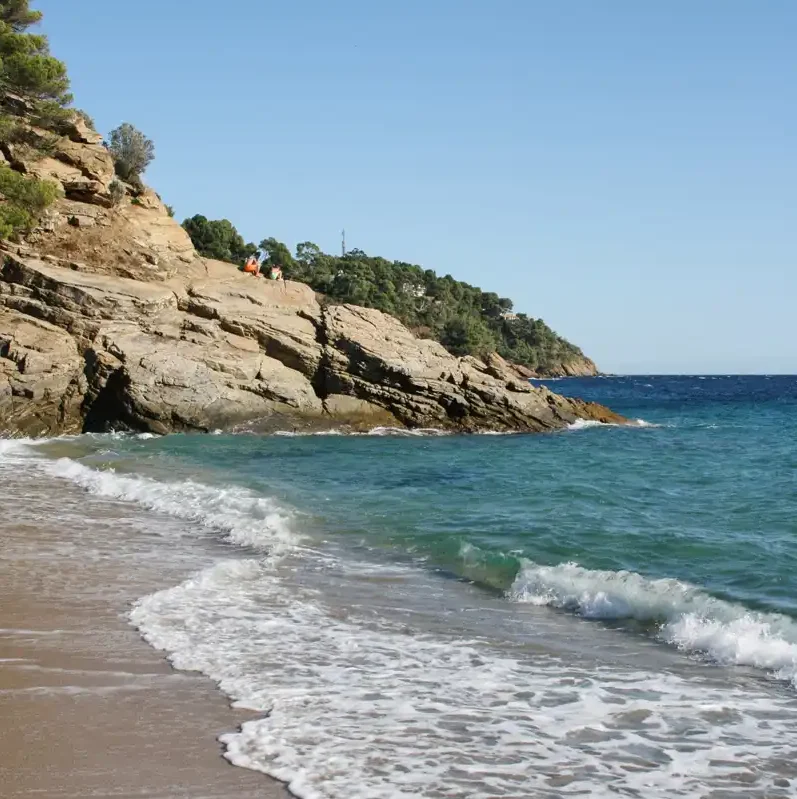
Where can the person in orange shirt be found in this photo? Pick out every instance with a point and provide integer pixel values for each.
(252, 265)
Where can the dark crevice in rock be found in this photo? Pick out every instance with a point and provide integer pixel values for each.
(323, 378)
(106, 406)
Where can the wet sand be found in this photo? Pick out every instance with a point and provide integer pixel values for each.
(88, 709)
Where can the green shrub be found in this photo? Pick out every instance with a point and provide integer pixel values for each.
(117, 191)
(132, 152)
(31, 193)
(24, 201)
(218, 238)
(9, 126)
(13, 220)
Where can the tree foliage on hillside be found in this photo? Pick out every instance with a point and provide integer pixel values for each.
(33, 83)
(17, 15)
(26, 66)
(132, 152)
(24, 200)
(464, 318)
(218, 239)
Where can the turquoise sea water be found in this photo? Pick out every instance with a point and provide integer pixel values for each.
(602, 611)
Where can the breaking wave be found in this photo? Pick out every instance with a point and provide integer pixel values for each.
(246, 518)
(586, 424)
(400, 432)
(357, 705)
(684, 615)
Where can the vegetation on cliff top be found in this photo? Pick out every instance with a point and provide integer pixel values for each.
(39, 85)
(464, 318)
(218, 239)
(132, 153)
(34, 113)
(34, 89)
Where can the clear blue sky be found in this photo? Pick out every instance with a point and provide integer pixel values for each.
(626, 170)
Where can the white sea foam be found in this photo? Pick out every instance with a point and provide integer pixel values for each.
(376, 431)
(245, 517)
(303, 433)
(358, 707)
(586, 424)
(364, 708)
(28, 446)
(689, 618)
(403, 431)
(13, 447)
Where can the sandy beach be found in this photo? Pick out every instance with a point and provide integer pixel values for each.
(88, 709)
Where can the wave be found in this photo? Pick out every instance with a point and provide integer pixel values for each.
(367, 706)
(586, 424)
(22, 445)
(246, 518)
(401, 431)
(686, 616)
(15, 446)
(303, 434)
(376, 431)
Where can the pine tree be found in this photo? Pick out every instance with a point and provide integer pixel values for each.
(34, 88)
(26, 66)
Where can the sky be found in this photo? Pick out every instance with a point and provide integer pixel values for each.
(625, 170)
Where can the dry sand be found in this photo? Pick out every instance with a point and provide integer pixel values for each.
(87, 709)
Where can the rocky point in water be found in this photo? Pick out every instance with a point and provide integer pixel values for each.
(110, 320)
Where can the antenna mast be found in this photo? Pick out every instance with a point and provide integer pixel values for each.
(343, 243)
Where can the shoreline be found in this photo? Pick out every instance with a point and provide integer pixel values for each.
(87, 707)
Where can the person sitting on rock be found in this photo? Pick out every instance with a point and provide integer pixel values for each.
(252, 265)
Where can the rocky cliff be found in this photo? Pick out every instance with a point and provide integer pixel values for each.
(576, 367)
(110, 320)
(579, 366)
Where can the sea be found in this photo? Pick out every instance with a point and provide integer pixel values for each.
(604, 611)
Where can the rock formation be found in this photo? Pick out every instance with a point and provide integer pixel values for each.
(110, 320)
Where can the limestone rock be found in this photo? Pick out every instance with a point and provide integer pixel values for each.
(373, 357)
(92, 160)
(78, 131)
(110, 320)
(40, 377)
(577, 367)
